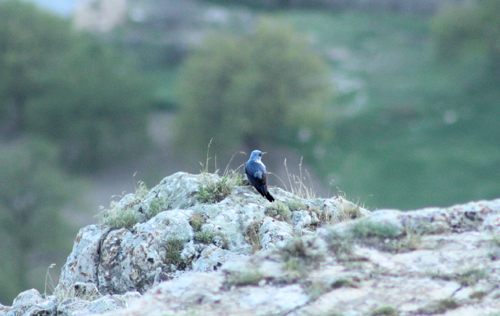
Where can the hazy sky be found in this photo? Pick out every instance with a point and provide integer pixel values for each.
(64, 7)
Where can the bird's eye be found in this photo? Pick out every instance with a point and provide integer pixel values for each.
(260, 155)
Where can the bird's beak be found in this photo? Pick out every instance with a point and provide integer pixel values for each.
(264, 153)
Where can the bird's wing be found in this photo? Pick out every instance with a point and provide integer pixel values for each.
(264, 180)
(255, 169)
(259, 174)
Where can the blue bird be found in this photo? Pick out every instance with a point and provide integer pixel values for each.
(256, 174)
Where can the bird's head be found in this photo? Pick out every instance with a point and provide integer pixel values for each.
(256, 155)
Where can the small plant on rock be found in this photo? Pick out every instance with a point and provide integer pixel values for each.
(173, 249)
(296, 205)
(210, 237)
(446, 304)
(205, 237)
(494, 253)
(141, 191)
(471, 276)
(214, 192)
(125, 215)
(252, 235)
(196, 221)
(236, 178)
(367, 229)
(344, 211)
(315, 288)
(438, 307)
(298, 254)
(478, 295)
(384, 236)
(124, 218)
(245, 277)
(221, 241)
(157, 205)
(298, 184)
(339, 245)
(349, 210)
(384, 311)
(279, 211)
(465, 278)
(48, 281)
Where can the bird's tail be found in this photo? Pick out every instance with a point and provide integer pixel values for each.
(269, 197)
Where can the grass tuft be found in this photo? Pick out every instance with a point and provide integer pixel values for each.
(471, 276)
(196, 221)
(345, 211)
(479, 295)
(214, 192)
(252, 235)
(210, 237)
(343, 282)
(296, 205)
(173, 257)
(446, 304)
(438, 307)
(125, 216)
(117, 218)
(141, 191)
(339, 245)
(298, 185)
(245, 277)
(384, 236)
(236, 178)
(298, 255)
(205, 237)
(315, 289)
(48, 281)
(384, 311)
(366, 229)
(157, 205)
(466, 278)
(278, 210)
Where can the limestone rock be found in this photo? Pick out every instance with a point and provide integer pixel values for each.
(185, 257)
(451, 269)
(131, 260)
(83, 262)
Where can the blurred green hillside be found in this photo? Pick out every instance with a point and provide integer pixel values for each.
(418, 129)
(395, 109)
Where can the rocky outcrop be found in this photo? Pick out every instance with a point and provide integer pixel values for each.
(430, 261)
(206, 245)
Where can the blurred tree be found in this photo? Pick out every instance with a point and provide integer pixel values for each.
(156, 32)
(33, 192)
(68, 87)
(469, 28)
(95, 106)
(29, 38)
(408, 6)
(267, 86)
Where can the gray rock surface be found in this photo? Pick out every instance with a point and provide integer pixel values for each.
(241, 256)
(444, 261)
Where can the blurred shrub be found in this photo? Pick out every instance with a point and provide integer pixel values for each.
(263, 87)
(470, 28)
(29, 40)
(33, 193)
(95, 106)
(68, 87)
